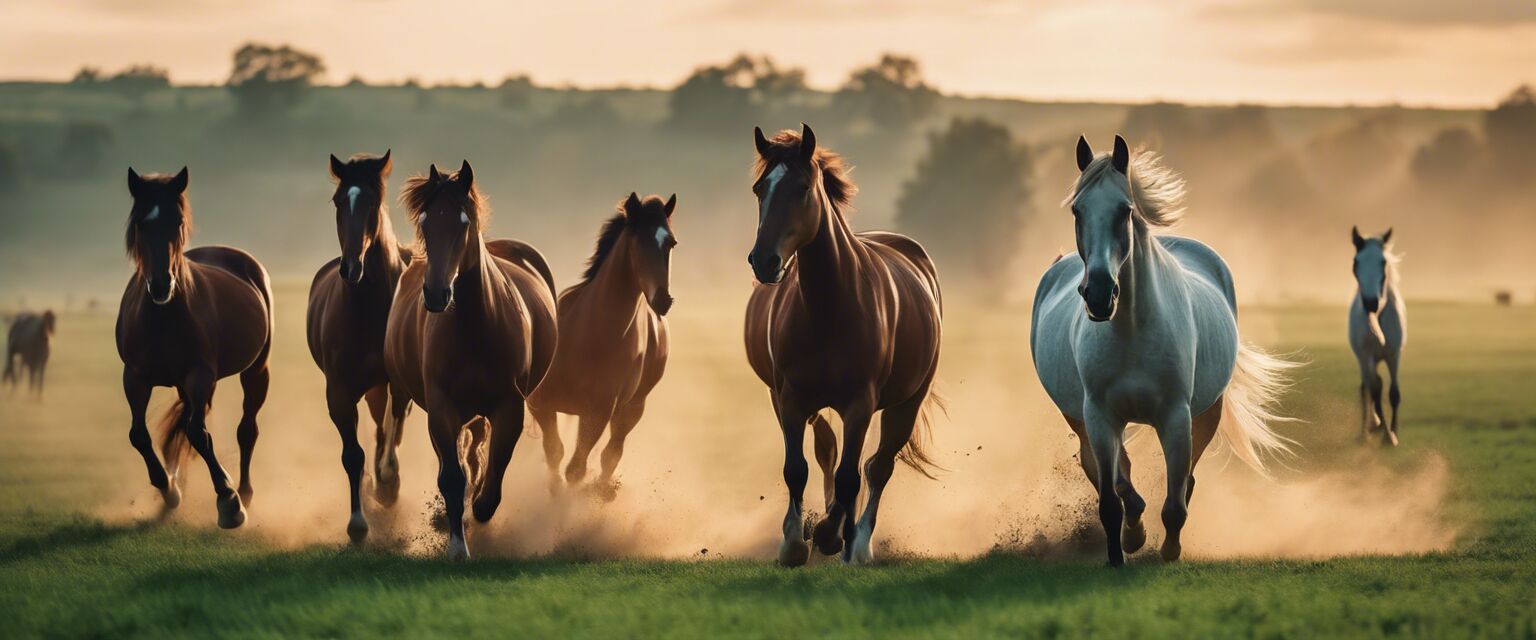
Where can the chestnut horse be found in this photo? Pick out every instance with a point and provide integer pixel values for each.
(187, 320)
(846, 321)
(349, 304)
(30, 340)
(613, 340)
(471, 334)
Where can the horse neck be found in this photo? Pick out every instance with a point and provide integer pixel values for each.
(830, 263)
(1140, 286)
(615, 285)
(382, 264)
(473, 288)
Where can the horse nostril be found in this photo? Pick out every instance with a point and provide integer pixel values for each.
(1114, 292)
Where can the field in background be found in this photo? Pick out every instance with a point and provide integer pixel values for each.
(1432, 539)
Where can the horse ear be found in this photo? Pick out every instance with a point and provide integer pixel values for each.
(385, 165)
(467, 175)
(1386, 237)
(179, 183)
(134, 182)
(807, 142)
(1084, 153)
(671, 204)
(433, 177)
(1121, 156)
(762, 143)
(337, 167)
(1354, 234)
(632, 204)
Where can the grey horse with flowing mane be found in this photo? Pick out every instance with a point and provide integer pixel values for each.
(1140, 327)
(1378, 329)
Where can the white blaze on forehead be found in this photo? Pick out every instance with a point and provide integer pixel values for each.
(463, 216)
(661, 237)
(352, 199)
(154, 213)
(773, 179)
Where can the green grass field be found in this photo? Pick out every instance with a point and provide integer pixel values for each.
(73, 565)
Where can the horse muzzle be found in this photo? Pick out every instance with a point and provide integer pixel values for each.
(161, 291)
(351, 270)
(768, 268)
(661, 303)
(1100, 300)
(1372, 304)
(437, 300)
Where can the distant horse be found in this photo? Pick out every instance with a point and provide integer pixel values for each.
(1378, 329)
(1142, 327)
(188, 319)
(613, 339)
(846, 321)
(30, 340)
(471, 334)
(349, 304)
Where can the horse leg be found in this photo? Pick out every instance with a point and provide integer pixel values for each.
(849, 479)
(825, 442)
(386, 460)
(378, 409)
(1387, 437)
(343, 408)
(793, 551)
(1367, 371)
(254, 382)
(138, 393)
(1134, 533)
(590, 429)
(896, 425)
(444, 424)
(1206, 425)
(198, 393)
(554, 448)
(1395, 395)
(624, 421)
(1176, 434)
(506, 429)
(1104, 438)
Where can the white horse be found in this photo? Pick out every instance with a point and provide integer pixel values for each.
(1378, 329)
(1156, 343)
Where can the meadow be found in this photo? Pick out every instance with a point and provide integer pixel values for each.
(1433, 539)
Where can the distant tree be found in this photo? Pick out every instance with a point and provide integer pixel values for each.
(1510, 130)
(356, 82)
(1448, 160)
(268, 80)
(84, 148)
(721, 97)
(515, 92)
(87, 75)
(584, 111)
(968, 202)
(890, 92)
(139, 80)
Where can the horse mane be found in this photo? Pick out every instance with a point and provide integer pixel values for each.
(652, 213)
(1394, 274)
(419, 190)
(785, 146)
(1156, 190)
(184, 210)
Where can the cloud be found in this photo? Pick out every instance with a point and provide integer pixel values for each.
(1478, 13)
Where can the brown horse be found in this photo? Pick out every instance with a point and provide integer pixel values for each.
(349, 304)
(471, 334)
(846, 321)
(613, 340)
(187, 320)
(31, 340)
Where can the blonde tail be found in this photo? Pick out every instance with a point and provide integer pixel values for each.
(1251, 405)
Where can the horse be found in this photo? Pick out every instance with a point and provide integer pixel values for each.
(188, 319)
(839, 320)
(30, 340)
(613, 340)
(1141, 327)
(471, 334)
(1378, 329)
(349, 302)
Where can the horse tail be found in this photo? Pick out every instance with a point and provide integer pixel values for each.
(174, 446)
(915, 454)
(1251, 405)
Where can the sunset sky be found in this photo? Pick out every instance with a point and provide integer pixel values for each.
(1440, 52)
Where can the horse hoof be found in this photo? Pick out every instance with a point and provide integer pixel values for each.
(386, 494)
(1388, 438)
(1133, 537)
(484, 508)
(606, 490)
(458, 551)
(357, 528)
(1116, 561)
(829, 541)
(172, 496)
(231, 512)
(245, 495)
(793, 553)
(1171, 551)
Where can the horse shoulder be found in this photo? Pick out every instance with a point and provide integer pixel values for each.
(756, 330)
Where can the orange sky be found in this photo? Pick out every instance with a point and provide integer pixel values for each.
(1443, 52)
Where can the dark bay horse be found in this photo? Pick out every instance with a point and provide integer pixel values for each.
(349, 304)
(31, 340)
(471, 334)
(846, 321)
(188, 319)
(613, 340)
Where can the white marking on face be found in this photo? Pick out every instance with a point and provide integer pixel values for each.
(464, 216)
(154, 213)
(661, 237)
(352, 199)
(773, 179)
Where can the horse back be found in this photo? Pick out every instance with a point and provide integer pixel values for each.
(1202, 262)
(524, 255)
(913, 253)
(531, 274)
(239, 264)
